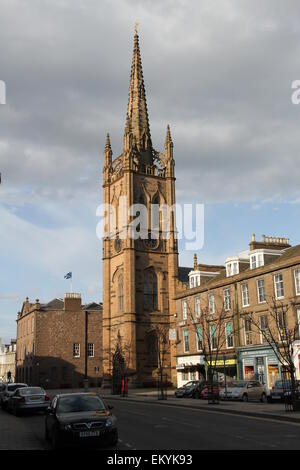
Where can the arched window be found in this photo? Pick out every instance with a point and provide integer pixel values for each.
(152, 349)
(150, 290)
(155, 214)
(121, 293)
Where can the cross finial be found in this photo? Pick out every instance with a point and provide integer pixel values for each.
(136, 27)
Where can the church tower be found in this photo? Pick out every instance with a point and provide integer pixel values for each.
(139, 272)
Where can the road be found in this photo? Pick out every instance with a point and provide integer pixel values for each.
(155, 427)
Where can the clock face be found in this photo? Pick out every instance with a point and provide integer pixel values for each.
(118, 244)
(151, 243)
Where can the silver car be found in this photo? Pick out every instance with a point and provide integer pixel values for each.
(244, 390)
(28, 399)
(7, 390)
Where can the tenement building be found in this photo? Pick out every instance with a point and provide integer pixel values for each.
(140, 273)
(59, 343)
(225, 315)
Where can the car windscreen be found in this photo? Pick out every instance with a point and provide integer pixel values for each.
(13, 387)
(238, 384)
(31, 391)
(80, 403)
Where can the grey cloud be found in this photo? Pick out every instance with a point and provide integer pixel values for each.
(219, 71)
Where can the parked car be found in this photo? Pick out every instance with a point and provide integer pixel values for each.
(278, 390)
(77, 418)
(8, 389)
(244, 390)
(206, 392)
(28, 399)
(189, 390)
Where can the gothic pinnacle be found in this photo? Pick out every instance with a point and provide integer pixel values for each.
(137, 113)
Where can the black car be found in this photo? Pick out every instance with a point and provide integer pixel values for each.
(190, 390)
(76, 418)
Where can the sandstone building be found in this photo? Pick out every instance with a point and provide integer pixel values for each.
(140, 276)
(59, 342)
(247, 286)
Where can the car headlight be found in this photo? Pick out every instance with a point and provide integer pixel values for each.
(67, 427)
(109, 423)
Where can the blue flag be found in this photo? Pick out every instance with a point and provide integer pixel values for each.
(68, 276)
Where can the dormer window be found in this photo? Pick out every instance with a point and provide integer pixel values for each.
(232, 268)
(256, 260)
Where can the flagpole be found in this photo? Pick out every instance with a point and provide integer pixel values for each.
(71, 284)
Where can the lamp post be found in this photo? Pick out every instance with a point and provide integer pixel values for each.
(225, 381)
(86, 380)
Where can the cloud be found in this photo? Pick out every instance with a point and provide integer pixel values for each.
(219, 71)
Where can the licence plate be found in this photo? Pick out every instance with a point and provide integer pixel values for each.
(35, 398)
(89, 434)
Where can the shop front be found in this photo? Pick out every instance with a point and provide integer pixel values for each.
(259, 363)
(190, 368)
(224, 366)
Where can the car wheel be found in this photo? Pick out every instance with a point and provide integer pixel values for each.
(263, 398)
(197, 395)
(245, 397)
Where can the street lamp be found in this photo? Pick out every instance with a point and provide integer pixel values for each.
(225, 381)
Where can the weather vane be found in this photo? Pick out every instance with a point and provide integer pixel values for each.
(136, 27)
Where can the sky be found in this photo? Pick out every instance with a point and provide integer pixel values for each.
(218, 71)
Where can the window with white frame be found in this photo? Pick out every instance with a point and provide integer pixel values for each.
(245, 295)
(213, 336)
(76, 350)
(261, 292)
(227, 302)
(229, 335)
(211, 303)
(278, 284)
(248, 331)
(264, 328)
(197, 306)
(297, 281)
(193, 375)
(298, 318)
(253, 261)
(232, 268)
(185, 375)
(235, 268)
(281, 325)
(186, 340)
(199, 339)
(90, 350)
(256, 260)
(184, 310)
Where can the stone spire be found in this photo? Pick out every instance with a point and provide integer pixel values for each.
(169, 143)
(137, 122)
(169, 160)
(107, 156)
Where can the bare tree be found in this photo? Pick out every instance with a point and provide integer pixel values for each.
(215, 329)
(161, 336)
(121, 362)
(279, 330)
